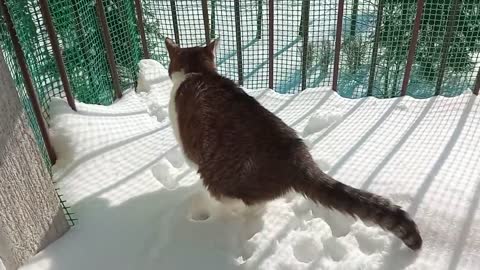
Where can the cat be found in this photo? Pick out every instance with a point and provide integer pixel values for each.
(243, 151)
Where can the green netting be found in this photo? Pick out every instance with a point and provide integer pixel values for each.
(27, 20)
(179, 20)
(83, 50)
(7, 49)
(372, 58)
(125, 39)
(79, 34)
(304, 44)
(372, 61)
(460, 55)
(387, 54)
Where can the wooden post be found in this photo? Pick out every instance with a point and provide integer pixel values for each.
(212, 17)
(305, 16)
(271, 56)
(413, 46)
(353, 23)
(141, 28)
(57, 53)
(176, 32)
(476, 88)
(447, 40)
(107, 39)
(259, 18)
(338, 43)
(238, 39)
(206, 24)
(373, 64)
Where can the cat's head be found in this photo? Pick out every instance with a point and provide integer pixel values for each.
(191, 59)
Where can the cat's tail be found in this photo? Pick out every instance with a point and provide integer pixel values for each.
(330, 193)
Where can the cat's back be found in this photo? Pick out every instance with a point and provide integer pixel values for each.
(212, 94)
(213, 104)
(209, 88)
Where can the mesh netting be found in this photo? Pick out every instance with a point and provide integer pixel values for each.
(447, 53)
(7, 49)
(83, 49)
(375, 42)
(448, 48)
(12, 64)
(125, 39)
(28, 22)
(304, 44)
(77, 27)
(376, 36)
(79, 34)
(180, 20)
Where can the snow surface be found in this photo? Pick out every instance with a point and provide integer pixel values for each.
(141, 207)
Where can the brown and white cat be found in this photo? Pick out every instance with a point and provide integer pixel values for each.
(243, 151)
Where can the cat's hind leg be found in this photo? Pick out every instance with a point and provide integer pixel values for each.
(256, 209)
(232, 205)
(201, 206)
(239, 207)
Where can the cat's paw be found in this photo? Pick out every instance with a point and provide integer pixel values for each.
(165, 173)
(232, 206)
(200, 207)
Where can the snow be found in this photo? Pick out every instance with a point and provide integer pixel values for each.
(141, 207)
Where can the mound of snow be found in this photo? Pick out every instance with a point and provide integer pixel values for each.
(320, 121)
(150, 72)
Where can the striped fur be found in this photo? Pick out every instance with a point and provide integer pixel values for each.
(245, 152)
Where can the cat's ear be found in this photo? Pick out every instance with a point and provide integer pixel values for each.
(213, 45)
(172, 47)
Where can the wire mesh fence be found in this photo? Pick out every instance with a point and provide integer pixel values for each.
(288, 45)
(40, 82)
(7, 48)
(375, 42)
(447, 55)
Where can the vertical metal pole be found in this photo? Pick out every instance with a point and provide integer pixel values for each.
(141, 28)
(173, 7)
(451, 25)
(270, 42)
(212, 16)
(82, 36)
(413, 46)
(238, 37)
(32, 95)
(376, 42)
(206, 24)
(302, 13)
(109, 48)
(353, 23)
(338, 44)
(57, 53)
(259, 18)
(476, 88)
(305, 15)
